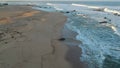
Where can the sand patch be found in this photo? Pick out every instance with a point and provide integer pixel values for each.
(28, 14)
(5, 20)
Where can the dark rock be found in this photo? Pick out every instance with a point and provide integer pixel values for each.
(74, 10)
(109, 20)
(67, 12)
(6, 42)
(105, 17)
(115, 14)
(12, 36)
(61, 39)
(45, 7)
(103, 22)
(5, 3)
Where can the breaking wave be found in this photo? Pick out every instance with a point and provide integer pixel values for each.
(100, 42)
(99, 9)
(100, 45)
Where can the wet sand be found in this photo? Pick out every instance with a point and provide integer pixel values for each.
(74, 51)
(29, 39)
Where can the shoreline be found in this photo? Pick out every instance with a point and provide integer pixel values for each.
(31, 40)
(74, 52)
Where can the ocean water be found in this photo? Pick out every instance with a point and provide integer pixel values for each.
(100, 41)
(93, 3)
(100, 45)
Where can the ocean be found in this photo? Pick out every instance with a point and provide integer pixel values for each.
(100, 41)
(94, 3)
(97, 24)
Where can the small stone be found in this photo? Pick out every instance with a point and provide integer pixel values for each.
(5, 4)
(103, 22)
(6, 42)
(67, 12)
(105, 17)
(61, 39)
(12, 36)
(109, 20)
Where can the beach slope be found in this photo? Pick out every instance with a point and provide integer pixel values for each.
(29, 38)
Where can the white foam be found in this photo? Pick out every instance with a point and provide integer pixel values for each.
(112, 11)
(99, 8)
(94, 7)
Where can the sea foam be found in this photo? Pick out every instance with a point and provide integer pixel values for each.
(99, 8)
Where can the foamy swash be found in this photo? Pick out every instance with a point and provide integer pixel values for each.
(98, 29)
(98, 42)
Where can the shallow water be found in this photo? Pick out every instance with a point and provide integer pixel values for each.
(101, 46)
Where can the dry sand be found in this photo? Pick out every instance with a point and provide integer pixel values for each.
(29, 39)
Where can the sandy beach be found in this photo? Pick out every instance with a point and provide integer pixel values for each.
(29, 39)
